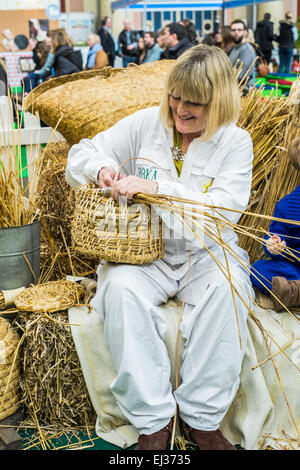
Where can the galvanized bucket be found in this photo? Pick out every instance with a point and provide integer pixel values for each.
(20, 255)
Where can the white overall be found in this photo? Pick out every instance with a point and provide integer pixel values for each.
(217, 172)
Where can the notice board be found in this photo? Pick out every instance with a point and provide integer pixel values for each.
(17, 22)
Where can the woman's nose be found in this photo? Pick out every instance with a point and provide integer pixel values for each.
(181, 107)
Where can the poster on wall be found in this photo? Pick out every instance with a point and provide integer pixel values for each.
(38, 28)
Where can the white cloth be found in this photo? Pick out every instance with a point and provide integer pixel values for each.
(260, 414)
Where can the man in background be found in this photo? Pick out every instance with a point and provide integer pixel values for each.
(176, 41)
(127, 43)
(153, 49)
(242, 55)
(264, 35)
(107, 40)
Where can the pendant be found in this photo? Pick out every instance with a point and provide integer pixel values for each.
(177, 154)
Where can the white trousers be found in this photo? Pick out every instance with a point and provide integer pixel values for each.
(127, 300)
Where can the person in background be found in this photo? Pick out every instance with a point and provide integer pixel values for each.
(66, 59)
(46, 59)
(242, 55)
(141, 51)
(160, 39)
(208, 40)
(107, 40)
(127, 43)
(227, 39)
(190, 31)
(281, 272)
(176, 41)
(32, 46)
(264, 35)
(288, 34)
(94, 47)
(152, 48)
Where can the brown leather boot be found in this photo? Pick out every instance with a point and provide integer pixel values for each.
(205, 440)
(156, 441)
(288, 292)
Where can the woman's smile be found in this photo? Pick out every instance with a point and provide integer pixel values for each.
(189, 117)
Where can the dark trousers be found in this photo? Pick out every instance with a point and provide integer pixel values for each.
(267, 55)
(31, 81)
(285, 60)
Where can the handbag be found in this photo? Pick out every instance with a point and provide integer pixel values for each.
(263, 67)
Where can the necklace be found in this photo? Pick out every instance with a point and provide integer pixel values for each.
(176, 150)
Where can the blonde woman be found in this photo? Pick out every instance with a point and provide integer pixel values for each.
(97, 57)
(66, 59)
(196, 151)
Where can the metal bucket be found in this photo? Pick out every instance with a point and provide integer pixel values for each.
(20, 255)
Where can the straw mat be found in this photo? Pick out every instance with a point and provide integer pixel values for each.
(49, 297)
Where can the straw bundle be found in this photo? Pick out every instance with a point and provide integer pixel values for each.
(17, 199)
(103, 229)
(49, 297)
(98, 102)
(10, 392)
(286, 178)
(52, 384)
(56, 201)
(266, 120)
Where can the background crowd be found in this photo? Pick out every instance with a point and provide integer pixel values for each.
(56, 56)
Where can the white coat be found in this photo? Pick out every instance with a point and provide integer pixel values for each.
(217, 172)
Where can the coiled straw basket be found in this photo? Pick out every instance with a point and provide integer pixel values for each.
(120, 233)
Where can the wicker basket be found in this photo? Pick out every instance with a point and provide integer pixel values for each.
(103, 229)
(84, 104)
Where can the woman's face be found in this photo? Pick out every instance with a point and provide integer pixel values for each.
(90, 42)
(189, 117)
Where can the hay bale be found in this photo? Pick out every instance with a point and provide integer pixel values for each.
(10, 392)
(56, 199)
(56, 204)
(84, 107)
(52, 383)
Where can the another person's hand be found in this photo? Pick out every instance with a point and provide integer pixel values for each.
(130, 47)
(131, 185)
(275, 245)
(106, 176)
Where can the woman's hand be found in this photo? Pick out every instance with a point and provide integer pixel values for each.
(275, 245)
(106, 176)
(131, 185)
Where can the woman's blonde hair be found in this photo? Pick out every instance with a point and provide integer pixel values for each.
(94, 38)
(203, 74)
